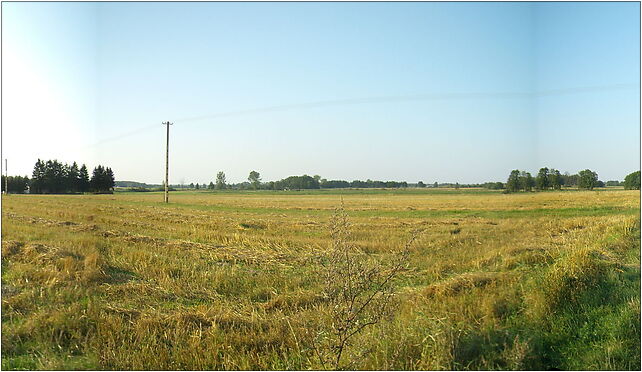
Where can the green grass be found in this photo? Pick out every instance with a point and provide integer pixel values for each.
(605, 314)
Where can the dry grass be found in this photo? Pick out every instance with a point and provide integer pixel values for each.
(227, 280)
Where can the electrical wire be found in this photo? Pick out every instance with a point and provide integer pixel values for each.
(382, 99)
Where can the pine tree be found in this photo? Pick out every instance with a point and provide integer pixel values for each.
(83, 179)
(96, 182)
(110, 181)
(38, 177)
(72, 178)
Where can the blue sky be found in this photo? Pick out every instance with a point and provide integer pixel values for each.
(489, 87)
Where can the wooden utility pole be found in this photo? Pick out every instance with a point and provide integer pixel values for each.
(167, 123)
(6, 178)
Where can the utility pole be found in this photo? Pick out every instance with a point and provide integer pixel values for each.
(167, 123)
(6, 178)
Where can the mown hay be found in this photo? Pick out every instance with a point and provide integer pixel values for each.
(463, 282)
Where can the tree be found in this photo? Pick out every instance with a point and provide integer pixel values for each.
(255, 179)
(110, 181)
(632, 181)
(54, 177)
(38, 177)
(513, 184)
(72, 177)
(587, 179)
(421, 184)
(529, 182)
(435, 185)
(211, 185)
(555, 179)
(95, 183)
(220, 181)
(542, 180)
(191, 185)
(83, 179)
(197, 186)
(97, 180)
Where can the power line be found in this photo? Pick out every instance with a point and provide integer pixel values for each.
(415, 97)
(386, 99)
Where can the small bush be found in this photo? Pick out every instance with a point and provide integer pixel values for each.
(358, 289)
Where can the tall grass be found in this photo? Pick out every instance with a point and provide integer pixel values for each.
(229, 281)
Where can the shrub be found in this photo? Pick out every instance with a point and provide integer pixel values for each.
(358, 289)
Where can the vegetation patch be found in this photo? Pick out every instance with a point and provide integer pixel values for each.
(463, 282)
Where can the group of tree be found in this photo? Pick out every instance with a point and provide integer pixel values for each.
(549, 178)
(367, 184)
(296, 183)
(519, 180)
(493, 185)
(315, 182)
(54, 177)
(102, 180)
(15, 184)
(221, 183)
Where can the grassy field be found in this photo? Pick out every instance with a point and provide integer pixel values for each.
(229, 280)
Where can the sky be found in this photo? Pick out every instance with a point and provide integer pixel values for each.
(447, 92)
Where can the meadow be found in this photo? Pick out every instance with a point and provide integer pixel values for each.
(229, 280)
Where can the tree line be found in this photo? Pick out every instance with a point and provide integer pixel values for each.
(296, 183)
(549, 178)
(546, 179)
(54, 177)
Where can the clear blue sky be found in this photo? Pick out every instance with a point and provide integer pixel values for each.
(490, 87)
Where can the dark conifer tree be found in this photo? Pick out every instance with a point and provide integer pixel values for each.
(37, 177)
(83, 179)
(110, 181)
(73, 177)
